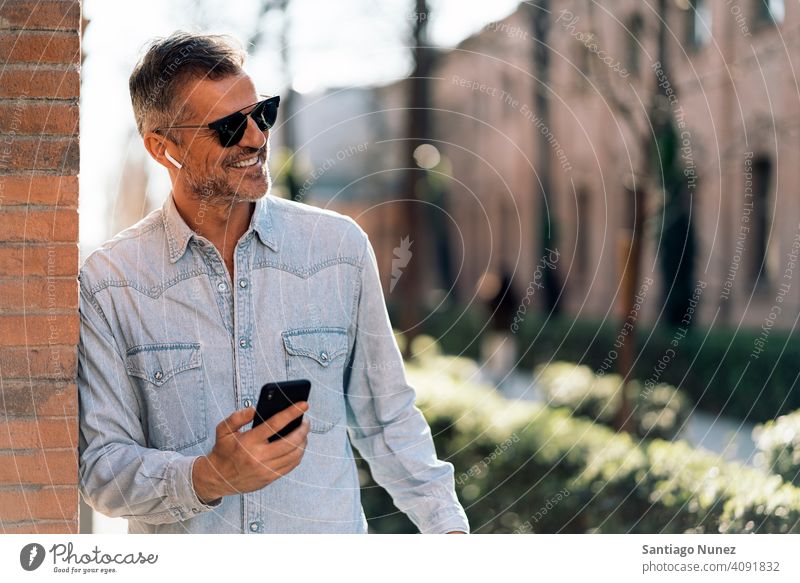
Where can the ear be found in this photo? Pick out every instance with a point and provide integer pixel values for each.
(158, 146)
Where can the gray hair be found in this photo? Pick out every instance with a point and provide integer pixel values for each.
(167, 64)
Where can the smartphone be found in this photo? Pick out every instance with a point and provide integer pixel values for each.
(277, 396)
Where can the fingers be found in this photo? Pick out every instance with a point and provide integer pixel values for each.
(295, 440)
(286, 453)
(253, 462)
(278, 421)
(236, 421)
(278, 468)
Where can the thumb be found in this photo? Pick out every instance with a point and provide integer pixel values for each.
(235, 421)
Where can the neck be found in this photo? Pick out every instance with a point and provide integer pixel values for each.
(222, 224)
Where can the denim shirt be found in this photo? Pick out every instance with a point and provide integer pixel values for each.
(169, 348)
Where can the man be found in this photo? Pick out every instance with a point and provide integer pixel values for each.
(185, 315)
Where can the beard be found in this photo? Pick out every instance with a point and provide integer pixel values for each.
(226, 185)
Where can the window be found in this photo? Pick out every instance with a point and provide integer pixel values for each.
(582, 239)
(762, 185)
(582, 58)
(635, 27)
(770, 11)
(698, 21)
(508, 86)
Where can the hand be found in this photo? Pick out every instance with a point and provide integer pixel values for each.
(244, 461)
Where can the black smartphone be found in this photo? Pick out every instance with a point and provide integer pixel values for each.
(277, 396)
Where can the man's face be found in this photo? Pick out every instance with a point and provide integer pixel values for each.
(208, 168)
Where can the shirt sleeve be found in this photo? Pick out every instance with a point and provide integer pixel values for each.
(385, 425)
(118, 475)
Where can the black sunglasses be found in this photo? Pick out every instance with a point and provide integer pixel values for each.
(230, 129)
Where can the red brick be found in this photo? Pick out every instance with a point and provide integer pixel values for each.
(30, 503)
(29, 261)
(37, 398)
(37, 293)
(40, 15)
(37, 433)
(39, 527)
(55, 83)
(39, 47)
(39, 362)
(48, 467)
(58, 191)
(39, 321)
(24, 153)
(34, 329)
(38, 118)
(23, 224)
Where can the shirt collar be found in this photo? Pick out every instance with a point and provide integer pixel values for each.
(179, 233)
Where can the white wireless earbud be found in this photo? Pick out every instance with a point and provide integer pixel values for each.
(173, 160)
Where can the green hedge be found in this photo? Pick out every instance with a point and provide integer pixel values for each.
(715, 367)
(457, 329)
(659, 412)
(779, 442)
(524, 467)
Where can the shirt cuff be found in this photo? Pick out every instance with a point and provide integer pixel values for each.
(447, 521)
(181, 489)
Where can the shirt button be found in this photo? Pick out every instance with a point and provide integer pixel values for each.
(243, 283)
(221, 287)
(244, 342)
(247, 403)
(158, 375)
(324, 355)
(254, 526)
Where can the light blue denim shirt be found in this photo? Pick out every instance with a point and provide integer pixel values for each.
(169, 348)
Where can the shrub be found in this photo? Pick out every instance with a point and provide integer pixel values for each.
(779, 443)
(658, 412)
(559, 473)
(717, 368)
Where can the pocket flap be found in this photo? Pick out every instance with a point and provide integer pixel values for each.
(322, 344)
(157, 363)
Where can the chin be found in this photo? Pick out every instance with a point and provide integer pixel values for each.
(250, 185)
(253, 192)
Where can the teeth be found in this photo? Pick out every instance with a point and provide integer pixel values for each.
(246, 163)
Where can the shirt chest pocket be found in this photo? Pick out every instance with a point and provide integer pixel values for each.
(170, 379)
(318, 354)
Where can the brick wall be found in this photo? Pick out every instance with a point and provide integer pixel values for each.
(39, 89)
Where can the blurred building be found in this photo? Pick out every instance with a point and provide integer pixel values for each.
(733, 95)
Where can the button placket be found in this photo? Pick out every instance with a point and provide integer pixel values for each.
(242, 342)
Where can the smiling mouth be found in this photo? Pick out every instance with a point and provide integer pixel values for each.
(246, 163)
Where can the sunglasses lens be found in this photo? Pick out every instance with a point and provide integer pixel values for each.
(265, 114)
(231, 129)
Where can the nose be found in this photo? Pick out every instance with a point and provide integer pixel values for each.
(253, 137)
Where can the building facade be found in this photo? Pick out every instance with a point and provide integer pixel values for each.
(727, 79)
